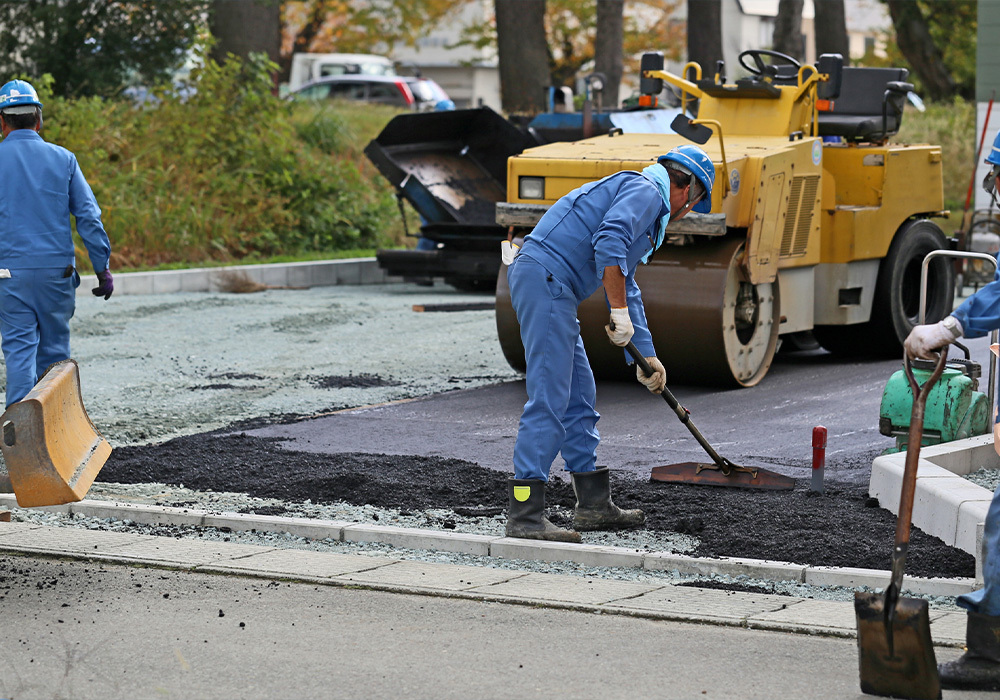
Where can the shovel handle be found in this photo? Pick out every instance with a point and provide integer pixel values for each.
(913, 440)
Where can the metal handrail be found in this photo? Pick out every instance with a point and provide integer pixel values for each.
(923, 301)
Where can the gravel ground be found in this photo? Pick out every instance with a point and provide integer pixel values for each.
(159, 366)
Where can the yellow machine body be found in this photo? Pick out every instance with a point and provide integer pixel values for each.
(817, 219)
(52, 450)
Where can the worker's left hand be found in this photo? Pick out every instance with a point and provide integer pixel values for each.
(620, 329)
(923, 341)
(106, 285)
(655, 382)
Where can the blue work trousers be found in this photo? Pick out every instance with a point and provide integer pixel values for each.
(559, 415)
(986, 600)
(35, 308)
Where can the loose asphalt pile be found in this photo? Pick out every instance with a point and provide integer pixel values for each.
(163, 374)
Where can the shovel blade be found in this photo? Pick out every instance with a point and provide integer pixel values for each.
(52, 450)
(910, 671)
(702, 474)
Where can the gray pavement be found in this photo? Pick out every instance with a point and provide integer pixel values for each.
(247, 622)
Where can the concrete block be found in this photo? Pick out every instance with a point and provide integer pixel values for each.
(370, 272)
(346, 272)
(812, 615)
(272, 275)
(913, 585)
(435, 576)
(165, 282)
(296, 562)
(949, 628)
(433, 540)
(130, 283)
(568, 589)
(936, 503)
(963, 457)
(195, 280)
(706, 603)
(585, 554)
(145, 514)
(887, 478)
(69, 540)
(732, 566)
(299, 527)
(848, 577)
(184, 552)
(971, 516)
(299, 276)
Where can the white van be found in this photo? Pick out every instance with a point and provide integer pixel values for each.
(312, 66)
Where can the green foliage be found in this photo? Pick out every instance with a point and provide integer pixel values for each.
(229, 173)
(96, 47)
(952, 125)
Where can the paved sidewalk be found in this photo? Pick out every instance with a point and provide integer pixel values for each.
(650, 600)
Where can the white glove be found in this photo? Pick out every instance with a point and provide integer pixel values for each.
(924, 340)
(623, 330)
(657, 380)
(507, 252)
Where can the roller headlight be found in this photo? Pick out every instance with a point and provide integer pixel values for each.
(531, 188)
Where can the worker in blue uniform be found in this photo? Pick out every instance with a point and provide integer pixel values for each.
(594, 236)
(979, 667)
(40, 187)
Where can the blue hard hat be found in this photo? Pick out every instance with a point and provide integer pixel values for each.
(18, 93)
(994, 157)
(696, 162)
(444, 105)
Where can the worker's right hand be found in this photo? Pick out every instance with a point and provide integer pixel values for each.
(620, 329)
(923, 341)
(656, 381)
(106, 285)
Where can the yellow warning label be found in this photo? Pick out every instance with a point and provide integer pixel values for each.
(521, 493)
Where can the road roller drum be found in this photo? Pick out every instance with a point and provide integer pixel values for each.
(709, 324)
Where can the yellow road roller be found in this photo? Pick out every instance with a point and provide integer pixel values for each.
(819, 224)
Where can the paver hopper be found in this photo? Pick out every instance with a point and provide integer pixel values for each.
(52, 450)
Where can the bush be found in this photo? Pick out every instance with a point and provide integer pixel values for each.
(226, 171)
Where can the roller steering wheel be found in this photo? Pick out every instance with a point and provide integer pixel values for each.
(786, 69)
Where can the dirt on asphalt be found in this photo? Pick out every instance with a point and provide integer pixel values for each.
(842, 527)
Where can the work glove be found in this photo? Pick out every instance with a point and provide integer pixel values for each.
(924, 340)
(657, 380)
(106, 285)
(620, 329)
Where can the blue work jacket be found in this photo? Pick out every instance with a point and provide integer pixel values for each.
(40, 186)
(980, 313)
(610, 222)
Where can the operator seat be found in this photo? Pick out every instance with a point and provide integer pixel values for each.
(870, 105)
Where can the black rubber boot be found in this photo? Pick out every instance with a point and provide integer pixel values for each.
(594, 509)
(524, 513)
(979, 667)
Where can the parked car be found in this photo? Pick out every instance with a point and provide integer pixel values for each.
(407, 92)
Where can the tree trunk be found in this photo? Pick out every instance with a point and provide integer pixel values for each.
(522, 52)
(787, 38)
(914, 41)
(704, 34)
(608, 49)
(244, 26)
(831, 29)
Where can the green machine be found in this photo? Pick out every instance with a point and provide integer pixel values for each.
(955, 409)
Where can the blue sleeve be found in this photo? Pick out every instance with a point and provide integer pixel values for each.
(83, 206)
(632, 212)
(637, 313)
(980, 313)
